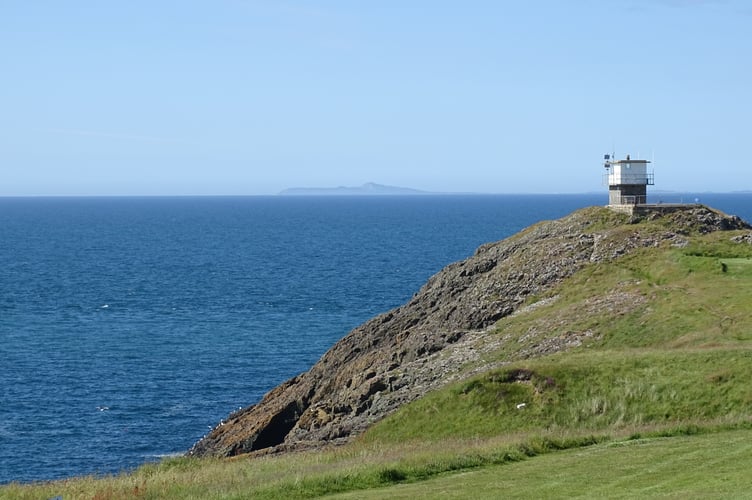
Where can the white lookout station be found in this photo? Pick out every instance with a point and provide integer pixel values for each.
(627, 180)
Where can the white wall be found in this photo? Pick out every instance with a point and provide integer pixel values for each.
(628, 173)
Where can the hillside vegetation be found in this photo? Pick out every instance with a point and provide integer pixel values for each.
(638, 347)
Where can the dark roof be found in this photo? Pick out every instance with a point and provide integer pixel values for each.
(631, 161)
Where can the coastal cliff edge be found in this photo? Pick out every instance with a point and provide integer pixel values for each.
(431, 340)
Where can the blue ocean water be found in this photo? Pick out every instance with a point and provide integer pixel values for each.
(130, 326)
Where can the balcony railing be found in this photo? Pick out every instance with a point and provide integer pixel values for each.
(611, 179)
(632, 200)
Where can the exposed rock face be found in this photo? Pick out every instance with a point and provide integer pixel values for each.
(399, 356)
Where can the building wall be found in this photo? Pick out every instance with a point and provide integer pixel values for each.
(627, 194)
(628, 173)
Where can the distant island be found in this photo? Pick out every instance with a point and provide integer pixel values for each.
(367, 189)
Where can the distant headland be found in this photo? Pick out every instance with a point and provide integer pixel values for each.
(367, 189)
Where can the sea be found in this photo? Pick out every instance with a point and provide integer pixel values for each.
(130, 326)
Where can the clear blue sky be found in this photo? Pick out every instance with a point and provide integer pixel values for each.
(251, 97)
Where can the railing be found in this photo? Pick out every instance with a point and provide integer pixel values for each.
(632, 200)
(611, 179)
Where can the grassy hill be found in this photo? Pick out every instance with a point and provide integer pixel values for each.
(638, 366)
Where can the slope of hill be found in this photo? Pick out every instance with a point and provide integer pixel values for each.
(442, 333)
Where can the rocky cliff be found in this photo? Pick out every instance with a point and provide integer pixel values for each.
(401, 355)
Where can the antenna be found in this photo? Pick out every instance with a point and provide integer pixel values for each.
(652, 162)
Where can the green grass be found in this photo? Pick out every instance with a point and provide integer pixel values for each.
(597, 391)
(670, 298)
(663, 348)
(694, 461)
(702, 466)
(301, 475)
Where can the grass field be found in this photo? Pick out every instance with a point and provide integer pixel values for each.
(700, 466)
(653, 400)
(696, 464)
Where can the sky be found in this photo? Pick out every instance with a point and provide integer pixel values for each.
(245, 97)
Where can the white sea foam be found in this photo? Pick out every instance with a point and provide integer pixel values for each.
(160, 456)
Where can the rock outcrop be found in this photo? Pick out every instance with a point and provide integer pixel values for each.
(401, 355)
